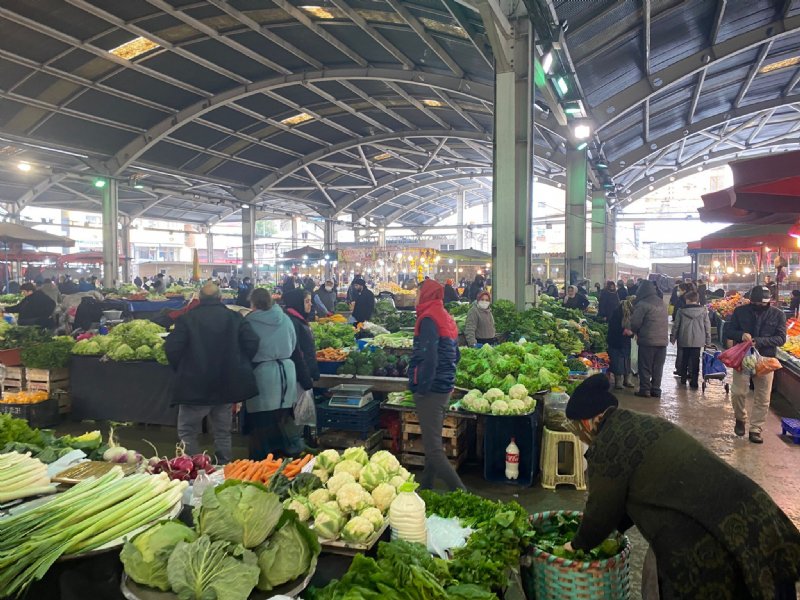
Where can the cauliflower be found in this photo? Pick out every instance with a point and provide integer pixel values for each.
(352, 498)
(372, 475)
(319, 497)
(328, 523)
(374, 515)
(473, 394)
(404, 473)
(530, 404)
(327, 459)
(387, 460)
(348, 466)
(396, 481)
(322, 474)
(338, 480)
(357, 453)
(358, 529)
(516, 407)
(494, 394)
(499, 407)
(383, 495)
(299, 506)
(476, 404)
(517, 392)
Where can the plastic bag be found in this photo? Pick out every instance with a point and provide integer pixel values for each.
(445, 534)
(555, 403)
(305, 411)
(767, 364)
(634, 357)
(750, 361)
(732, 357)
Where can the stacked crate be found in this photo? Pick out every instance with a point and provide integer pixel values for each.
(454, 440)
(53, 381)
(15, 380)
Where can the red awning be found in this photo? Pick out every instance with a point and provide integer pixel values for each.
(747, 237)
(27, 256)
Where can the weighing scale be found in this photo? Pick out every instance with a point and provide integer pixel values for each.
(350, 395)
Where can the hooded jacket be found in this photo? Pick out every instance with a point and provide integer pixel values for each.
(691, 327)
(273, 367)
(365, 305)
(432, 367)
(305, 353)
(768, 328)
(649, 319)
(479, 325)
(325, 299)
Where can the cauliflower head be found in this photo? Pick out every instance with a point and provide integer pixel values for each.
(357, 454)
(517, 391)
(327, 459)
(374, 516)
(494, 394)
(352, 498)
(384, 495)
(348, 466)
(338, 480)
(516, 407)
(372, 475)
(300, 507)
(499, 407)
(387, 460)
(322, 474)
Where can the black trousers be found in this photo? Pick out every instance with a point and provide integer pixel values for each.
(689, 366)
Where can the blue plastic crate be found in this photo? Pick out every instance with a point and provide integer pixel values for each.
(497, 433)
(791, 427)
(363, 420)
(329, 367)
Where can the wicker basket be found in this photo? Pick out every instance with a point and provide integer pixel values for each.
(554, 578)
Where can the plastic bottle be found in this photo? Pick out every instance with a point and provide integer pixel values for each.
(512, 460)
(407, 515)
(201, 482)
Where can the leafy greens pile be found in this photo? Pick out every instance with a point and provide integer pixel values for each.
(531, 365)
(562, 529)
(12, 336)
(17, 436)
(52, 354)
(333, 335)
(135, 340)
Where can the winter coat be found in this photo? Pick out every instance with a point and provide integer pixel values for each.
(649, 319)
(721, 536)
(36, 309)
(432, 367)
(304, 356)
(243, 297)
(622, 292)
(365, 306)
(450, 294)
(325, 299)
(579, 302)
(552, 290)
(479, 325)
(210, 351)
(607, 303)
(691, 327)
(614, 337)
(273, 367)
(767, 328)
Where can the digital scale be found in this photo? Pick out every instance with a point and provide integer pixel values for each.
(350, 395)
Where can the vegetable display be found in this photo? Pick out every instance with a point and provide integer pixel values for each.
(331, 355)
(52, 354)
(145, 557)
(134, 340)
(400, 340)
(17, 436)
(377, 363)
(13, 336)
(22, 476)
(25, 397)
(562, 529)
(92, 513)
(516, 402)
(535, 367)
(333, 335)
(262, 471)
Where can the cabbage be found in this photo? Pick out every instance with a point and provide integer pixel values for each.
(517, 392)
(327, 459)
(349, 466)
(387, 460)
(357, 453)
(353, 498)
(145, 556)
(287, 555)
(494, 394)
(358, 529)
(328, 523)
(144, 353)
(239, 512)
(372, 475)
(299, 506)
(87, 348)
(204, 569)
(122, 352)
(318, 497)
(499, 407)
(338, 480)
(374, 516)
(383, 495)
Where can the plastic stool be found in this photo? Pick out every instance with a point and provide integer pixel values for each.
(551, 476)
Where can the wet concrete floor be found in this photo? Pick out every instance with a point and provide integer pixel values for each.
(775, 465)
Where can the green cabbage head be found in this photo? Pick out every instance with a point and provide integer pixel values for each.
(288, 554)
(145, 556)
(238, 512)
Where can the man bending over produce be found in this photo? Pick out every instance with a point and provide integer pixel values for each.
(714, 532)
(211, 350)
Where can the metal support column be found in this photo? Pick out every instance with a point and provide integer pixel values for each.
(110, 233)
(512, 192)
(249, 241)
(575, 230)
(126, 254)
(294, 233)
(611, 245)
(597, 271)
(329, 245)
(461, 202)
(209, 247)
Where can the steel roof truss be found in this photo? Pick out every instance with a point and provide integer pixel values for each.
(765, 48)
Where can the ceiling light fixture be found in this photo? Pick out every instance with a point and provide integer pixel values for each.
(23, 166)
(383, 156)
(297, 119)
(99, 183)
(562, 86)
(582, 145)
(582, 132)
(135, 47)
(319, 12)
(547, 62)
(433, 103)
(245, 206)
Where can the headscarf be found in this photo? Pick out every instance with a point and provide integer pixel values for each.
(431, 306)
(483, 293)
(294, 301)
(591, 398)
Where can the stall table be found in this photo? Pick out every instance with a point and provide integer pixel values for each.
(146, 309)
(379, 384)
(139, 392)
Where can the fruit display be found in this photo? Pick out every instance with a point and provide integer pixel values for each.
(792, 346)
(724, 307)
(335, 318)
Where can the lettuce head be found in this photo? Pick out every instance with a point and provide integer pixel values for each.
(145, 556)
(288, 554)
(238, 512)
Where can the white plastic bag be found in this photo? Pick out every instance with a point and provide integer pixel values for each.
(304, 409)
(634, 357)
(445, 534)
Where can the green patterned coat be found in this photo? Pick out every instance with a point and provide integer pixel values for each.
(716, 534)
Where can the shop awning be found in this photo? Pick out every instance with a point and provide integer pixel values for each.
(306, 251)
(747, 237)
(14, 233)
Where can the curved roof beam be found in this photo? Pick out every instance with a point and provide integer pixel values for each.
(643, 152)
(142, 143)
(378, 202)
(420, 202)
(633, 96)
(296, 165)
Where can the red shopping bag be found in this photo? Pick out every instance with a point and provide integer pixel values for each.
(732, 357)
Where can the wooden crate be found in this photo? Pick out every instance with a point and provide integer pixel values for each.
(64, 401)
(15, 379)
(451, 421)
(447, 432)
(418, 460)
(48, 380)
(340, 440)
(412, 444)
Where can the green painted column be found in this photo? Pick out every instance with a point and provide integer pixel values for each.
(249, 241)
(611, 245)
(597, 270)
(512, 188)
(575, 229)
(110, 233)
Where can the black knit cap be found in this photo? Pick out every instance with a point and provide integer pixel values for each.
(591, 398)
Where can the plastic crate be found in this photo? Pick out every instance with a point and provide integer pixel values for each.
(791, 427)
(41, 414)
(363, 420)
(497, 434)
(329, 367)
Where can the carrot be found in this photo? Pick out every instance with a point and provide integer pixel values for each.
(305, 460)
(269, 458)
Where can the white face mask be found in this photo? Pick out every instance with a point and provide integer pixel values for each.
(328, 288)
(483, 304)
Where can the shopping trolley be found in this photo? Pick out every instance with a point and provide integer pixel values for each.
(713, 369)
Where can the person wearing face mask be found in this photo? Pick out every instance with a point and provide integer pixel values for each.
(645, 471)
(479, 327)
(765, 327)
(325, 299)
